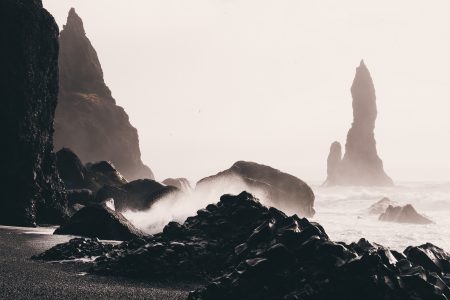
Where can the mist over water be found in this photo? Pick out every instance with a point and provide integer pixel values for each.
(343, 211)
(179, 206)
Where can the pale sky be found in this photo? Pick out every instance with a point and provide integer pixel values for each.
(207, 83)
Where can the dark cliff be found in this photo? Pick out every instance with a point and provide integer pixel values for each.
(88, 121)
(31, 189)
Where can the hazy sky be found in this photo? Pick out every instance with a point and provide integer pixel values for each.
(211, 82)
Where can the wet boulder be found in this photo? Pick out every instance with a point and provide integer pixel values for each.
(100, 221)
(272, 186)
(430, 257)
(403, 214)
(142, 193)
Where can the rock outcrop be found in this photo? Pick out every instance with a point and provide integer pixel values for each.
(272, 186)
(180, 183)
(87, 118)
(260, 253)
(403, 214)
(92, 176)
(380, 206)
(31, 189)
(360, 164)
(100, 221)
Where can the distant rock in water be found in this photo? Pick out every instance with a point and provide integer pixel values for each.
(92, 176)
(180, 183)
(360, 165)
(87, 118)
(100, 221)
(403, 214)
(380, 206)
(31, 189)
(282, 190)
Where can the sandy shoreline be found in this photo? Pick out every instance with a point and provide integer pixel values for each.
(22, 278)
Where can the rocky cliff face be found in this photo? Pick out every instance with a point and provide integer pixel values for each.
(31, 189)
(361, 164)
(88, 120)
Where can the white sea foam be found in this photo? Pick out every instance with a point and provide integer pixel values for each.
(343, 213)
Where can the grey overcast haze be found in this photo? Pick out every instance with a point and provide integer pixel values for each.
(210, 82)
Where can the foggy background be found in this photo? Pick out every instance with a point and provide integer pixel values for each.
(207, 83)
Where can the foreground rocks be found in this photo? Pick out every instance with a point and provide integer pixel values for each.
(254, 252)
(361, 164)
(280, 189)
(403, 214)
(31, 189)
(87, 117)
(100, 221)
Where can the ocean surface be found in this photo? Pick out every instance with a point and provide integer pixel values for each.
(343, 212)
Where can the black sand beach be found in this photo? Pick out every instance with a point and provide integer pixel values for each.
(23, 278)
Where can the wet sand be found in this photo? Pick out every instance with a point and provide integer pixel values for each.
(23, 278)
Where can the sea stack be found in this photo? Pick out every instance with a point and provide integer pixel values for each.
(88, 121)
(361, 165)
(31, 189)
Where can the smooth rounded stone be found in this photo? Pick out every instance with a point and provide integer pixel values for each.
(98, 220)
(403, 214)
(142, 193)
(380, 206)
(285, 191)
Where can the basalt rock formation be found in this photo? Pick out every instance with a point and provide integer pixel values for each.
(360, 164)
(100, 221)
(283, 190)
(31, 189)
(403, 214)
(92, 176)
(260, 253)
(180, 183)
(87, 118)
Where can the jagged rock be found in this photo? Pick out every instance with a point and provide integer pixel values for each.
(87, 117)
(281, 189)
(361, 164)
(92, 176)
(180, 183)
(260, 253)
(142, 193)
(380, 206)
(403, 214)
(76, 248)
(31, 189)
(100, 221)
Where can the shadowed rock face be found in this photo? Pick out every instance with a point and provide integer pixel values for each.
(87, 118)
(100, 221)
(403, 214)
(31, 189)
(281, 189)
(360, 164)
